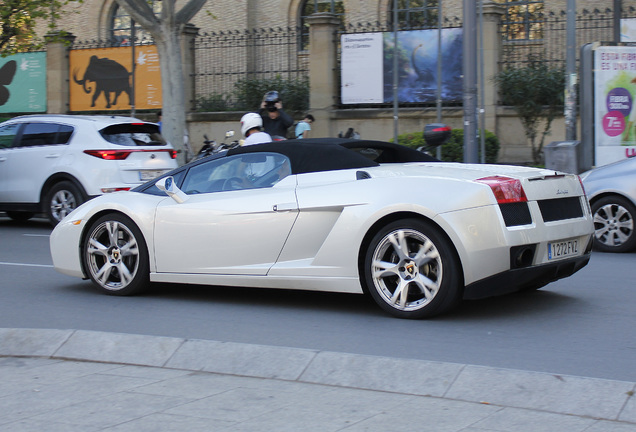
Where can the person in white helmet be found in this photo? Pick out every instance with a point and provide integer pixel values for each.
(252, 129)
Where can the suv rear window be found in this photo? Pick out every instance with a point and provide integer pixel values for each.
(37, 134)
(130, 134)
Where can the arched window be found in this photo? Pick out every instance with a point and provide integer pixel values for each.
(120, 25)
(415, 14)
(309, 7)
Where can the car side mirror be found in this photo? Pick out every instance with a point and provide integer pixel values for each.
(168, 186)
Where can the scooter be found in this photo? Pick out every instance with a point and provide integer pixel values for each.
(211, 146)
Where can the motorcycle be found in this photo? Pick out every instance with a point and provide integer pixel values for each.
(212, 147)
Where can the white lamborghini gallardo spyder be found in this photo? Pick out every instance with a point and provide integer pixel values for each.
(354, 216)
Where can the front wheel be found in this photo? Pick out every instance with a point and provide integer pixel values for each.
(115, 255)
(412, 271)
(614, 224)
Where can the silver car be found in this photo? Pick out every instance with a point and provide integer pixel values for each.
(611, 190)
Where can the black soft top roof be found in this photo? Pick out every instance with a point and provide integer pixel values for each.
(329, 154)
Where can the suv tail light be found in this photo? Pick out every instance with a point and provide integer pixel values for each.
(506, 189)
(123, 154)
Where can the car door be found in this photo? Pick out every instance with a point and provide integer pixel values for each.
(8, 133)
(34, 157)
(235, 221)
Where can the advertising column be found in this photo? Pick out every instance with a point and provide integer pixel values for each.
(614, 98)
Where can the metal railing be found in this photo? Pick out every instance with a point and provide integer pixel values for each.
(231, 65)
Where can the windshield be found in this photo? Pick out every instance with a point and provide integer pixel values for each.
(133, 134)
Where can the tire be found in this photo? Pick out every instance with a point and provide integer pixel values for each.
(115, 255)
(614, 224)
(61, 199)
(20, 216)
(412, 271)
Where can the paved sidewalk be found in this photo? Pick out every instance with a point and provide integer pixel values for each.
(66, 380)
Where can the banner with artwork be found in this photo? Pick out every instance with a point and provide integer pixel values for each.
(23, 83)
(101, 79)
(367, 63)
(614, 98)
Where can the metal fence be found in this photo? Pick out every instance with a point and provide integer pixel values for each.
(591, 26)
(230, 66)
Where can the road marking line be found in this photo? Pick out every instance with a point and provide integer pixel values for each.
(25, 265)
(36, 235)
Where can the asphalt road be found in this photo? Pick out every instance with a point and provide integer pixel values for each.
(583, 325)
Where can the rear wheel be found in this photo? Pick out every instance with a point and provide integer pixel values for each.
(20, 216)
(614, 224)
(412, 271)
(62, 199)
(115, 255)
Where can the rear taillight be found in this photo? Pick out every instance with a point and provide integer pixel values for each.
(116, 189)
(506, 189)
(109, 154)
(123, 154)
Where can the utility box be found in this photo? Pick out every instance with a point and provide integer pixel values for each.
(563, 156)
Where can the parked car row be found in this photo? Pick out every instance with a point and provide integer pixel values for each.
(53, 163)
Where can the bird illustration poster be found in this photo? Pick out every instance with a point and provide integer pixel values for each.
(102, 79)
(368, 64)
(23, 83)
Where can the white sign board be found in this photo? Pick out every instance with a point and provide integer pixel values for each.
(362, 72)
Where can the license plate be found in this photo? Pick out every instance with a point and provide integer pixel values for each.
(150, 174)
(563, 249)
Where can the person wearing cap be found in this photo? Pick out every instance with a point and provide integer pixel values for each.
(252, 129)
(275, 120)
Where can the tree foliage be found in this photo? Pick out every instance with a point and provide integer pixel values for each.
(166, 29)
(453, 150)
(536, 93)
(18, 19)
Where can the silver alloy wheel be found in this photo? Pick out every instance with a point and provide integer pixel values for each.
(112, 255)
(62, 203)
(406, 269)
(613, 225)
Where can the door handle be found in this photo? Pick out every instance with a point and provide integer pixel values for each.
(285, 207)
(2, 159)
(52, 156)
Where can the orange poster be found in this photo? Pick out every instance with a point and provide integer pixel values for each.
(101, 79)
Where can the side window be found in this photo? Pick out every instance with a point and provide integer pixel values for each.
(238, 172)
(38, 134)
(7, 135)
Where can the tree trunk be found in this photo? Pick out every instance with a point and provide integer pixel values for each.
(173, 93)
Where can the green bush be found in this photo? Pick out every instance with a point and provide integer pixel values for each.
(453, 150)
(293, 92)
(213, 102)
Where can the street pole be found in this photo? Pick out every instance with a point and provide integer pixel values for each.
(470, 82)
(396, 75)
(438, 153)
(617, 20)
(570, 74)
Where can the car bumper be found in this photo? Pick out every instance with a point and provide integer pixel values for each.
(525, 278)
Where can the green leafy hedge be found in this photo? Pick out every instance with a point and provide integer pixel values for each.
(248, 95)
(453, 150)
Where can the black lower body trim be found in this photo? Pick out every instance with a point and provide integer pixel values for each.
(525, 278)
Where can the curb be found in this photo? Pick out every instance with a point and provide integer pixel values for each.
(562, 394)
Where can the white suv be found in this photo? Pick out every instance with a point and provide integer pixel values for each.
(53, 163)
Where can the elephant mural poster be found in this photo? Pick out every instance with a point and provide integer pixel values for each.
(367, 65)
(23, 83)
(101, 79)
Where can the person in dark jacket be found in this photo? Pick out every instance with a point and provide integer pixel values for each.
(275, 120)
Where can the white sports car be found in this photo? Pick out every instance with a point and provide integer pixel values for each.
(355, 216)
